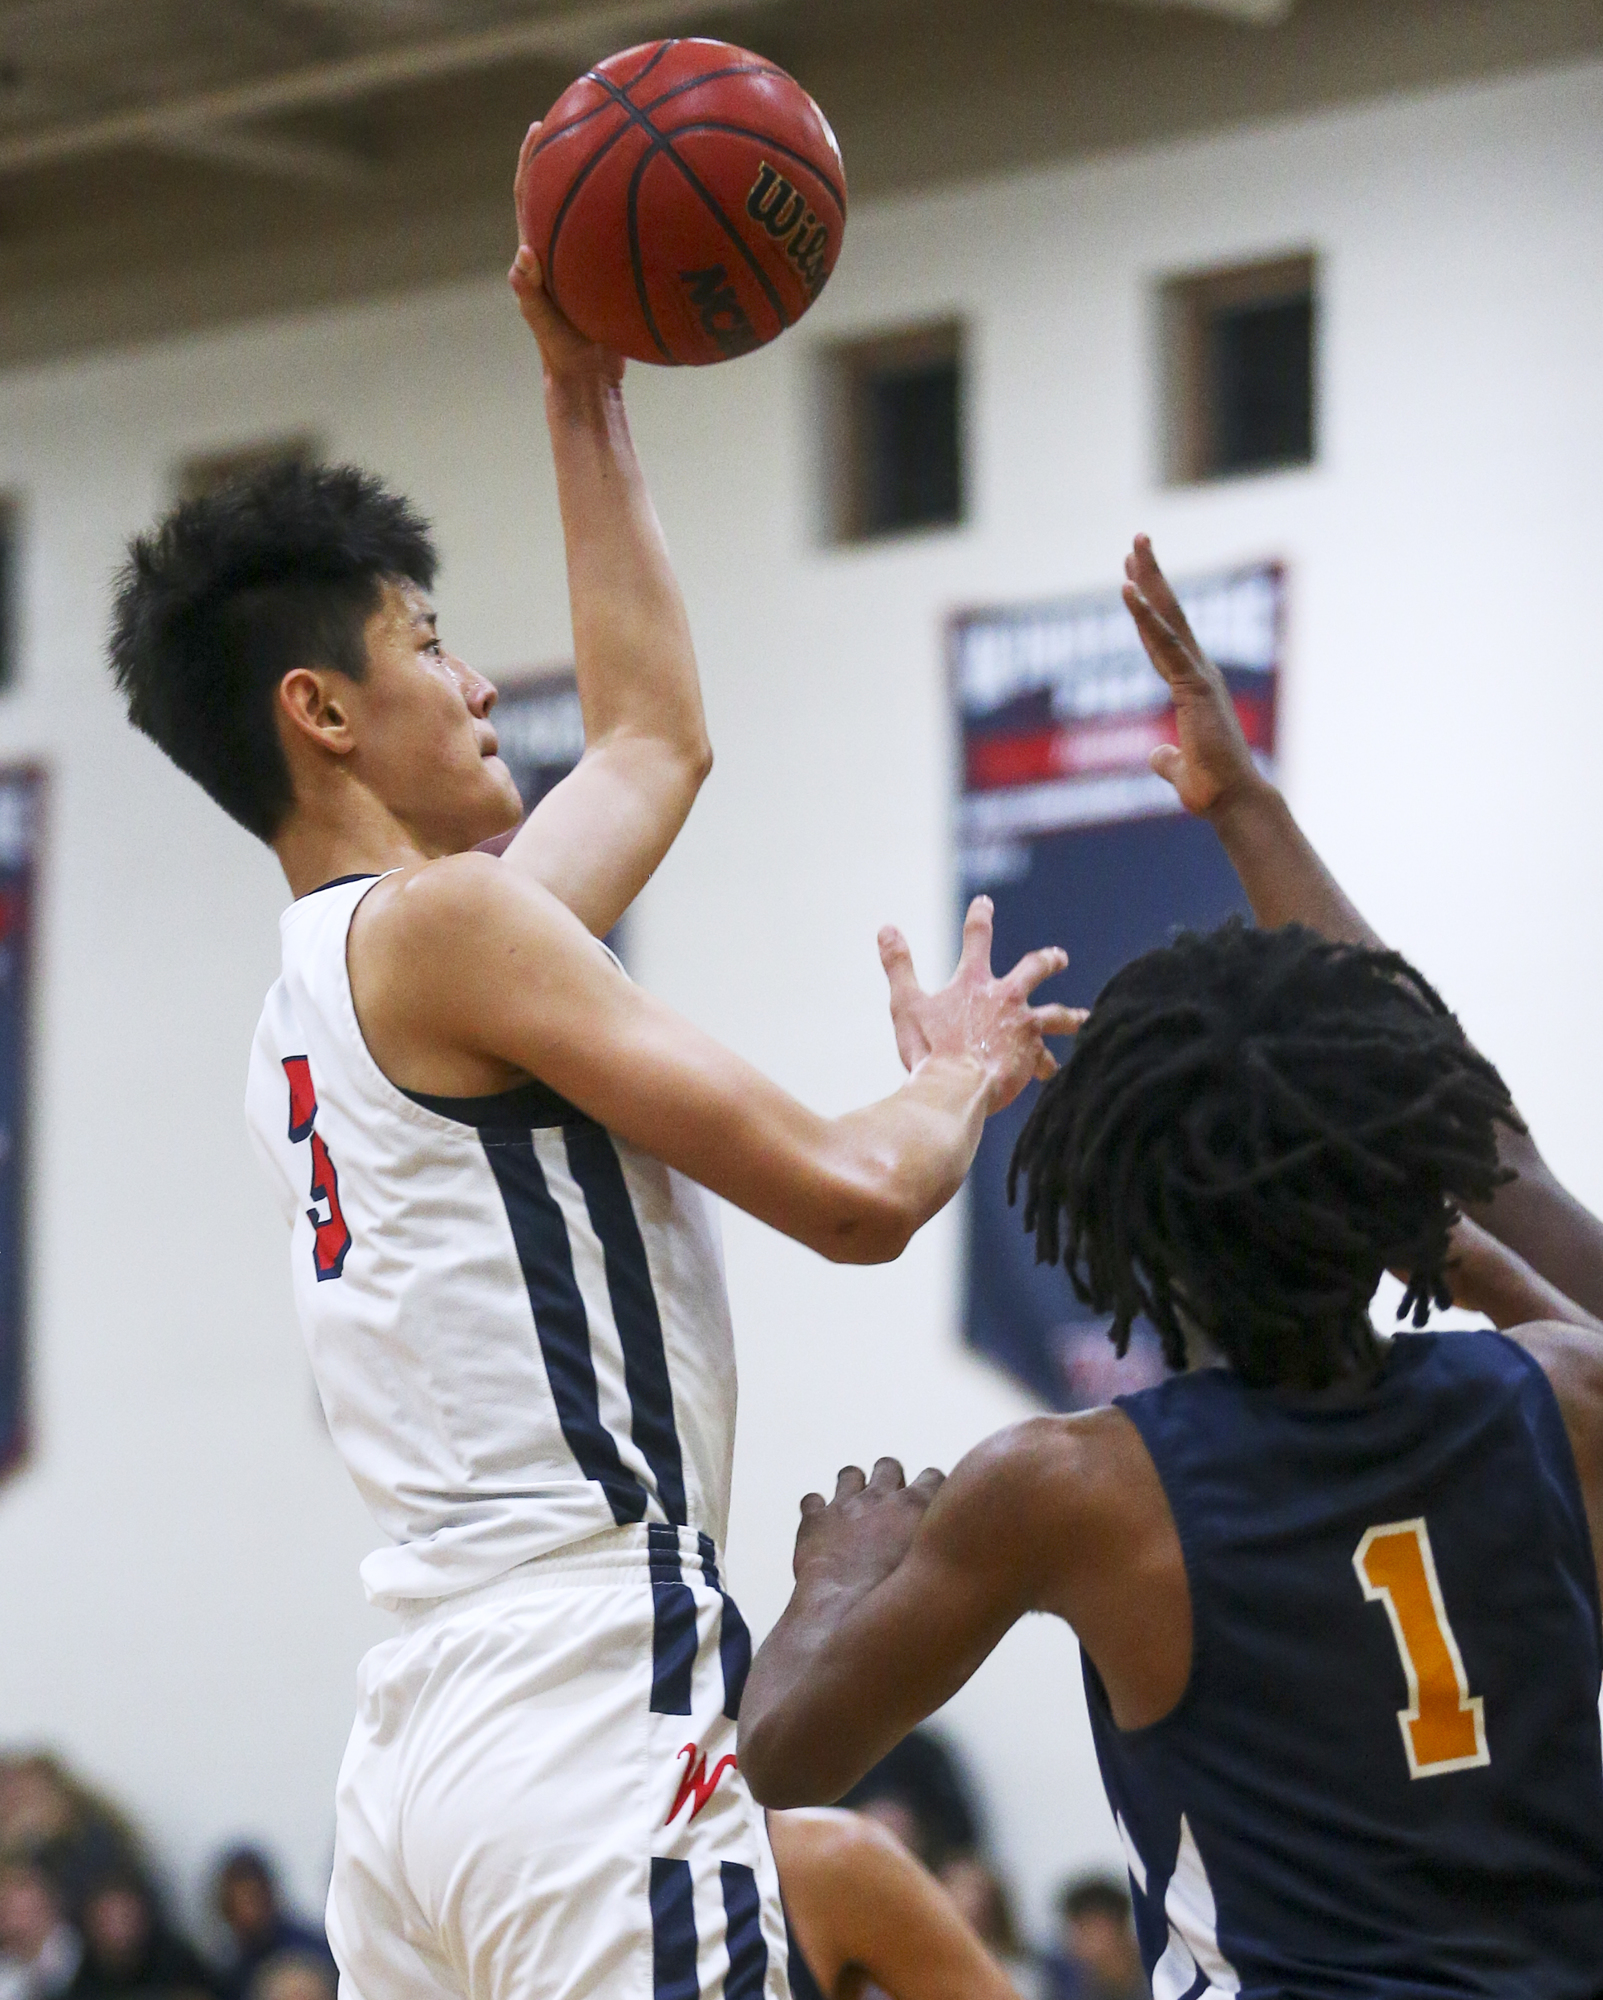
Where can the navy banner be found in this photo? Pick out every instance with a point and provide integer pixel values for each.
(21, 800)
(1078, 843)
(540, 729)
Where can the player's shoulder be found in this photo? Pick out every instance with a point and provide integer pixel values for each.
(1082, 1459)
(456, 903)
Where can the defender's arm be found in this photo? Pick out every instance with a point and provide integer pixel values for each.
(1212, 770)
(463, 956)
(861, 1903)
(595, 840)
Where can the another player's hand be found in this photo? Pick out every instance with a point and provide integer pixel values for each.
(855, 1540)
(976, 1014)
(1211, 762)
(565, 351)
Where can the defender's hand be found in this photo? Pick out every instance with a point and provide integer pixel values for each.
(976, 1014)
(855, 1541)
(565, 351)
(1211, 763)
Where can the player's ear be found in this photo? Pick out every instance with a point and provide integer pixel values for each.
(310, 707)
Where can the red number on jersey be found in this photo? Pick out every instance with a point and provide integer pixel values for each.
(331, 1239)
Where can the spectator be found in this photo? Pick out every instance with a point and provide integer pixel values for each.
(129, 1949)
(247, 1900)
(71, 1830)
(39, 1950)
(293, 1975)
(1097, 1956)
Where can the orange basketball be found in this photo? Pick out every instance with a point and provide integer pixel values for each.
(686, 200)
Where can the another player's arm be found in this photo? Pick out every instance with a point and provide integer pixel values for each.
(864, 1909)
(465, 956)
(1211, 769)
(596, 838)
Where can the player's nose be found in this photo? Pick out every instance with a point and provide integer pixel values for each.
(481, 694)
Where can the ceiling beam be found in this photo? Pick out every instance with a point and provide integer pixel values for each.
(1260, 13)
(575, 34)
(270, 154)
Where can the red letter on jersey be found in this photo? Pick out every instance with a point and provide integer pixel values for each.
(331, 1239)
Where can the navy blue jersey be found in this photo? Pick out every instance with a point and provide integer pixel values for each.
(1385, 1776)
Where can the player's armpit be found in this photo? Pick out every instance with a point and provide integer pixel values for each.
(1571, 1358)
(462, 963)
(858, 1901)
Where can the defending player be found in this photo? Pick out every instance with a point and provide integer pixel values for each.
(1337, 1597)
(488, 1143)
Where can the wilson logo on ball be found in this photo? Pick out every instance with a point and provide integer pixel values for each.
(782, 210)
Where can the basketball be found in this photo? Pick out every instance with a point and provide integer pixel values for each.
(686, 200)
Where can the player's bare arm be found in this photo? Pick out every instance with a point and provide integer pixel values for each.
(1212, 770)
(596, 838)
(468, 977)
(903, 1590)
(866, 1913)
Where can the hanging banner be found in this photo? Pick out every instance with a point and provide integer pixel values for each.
(21, 801)
(1079, 843)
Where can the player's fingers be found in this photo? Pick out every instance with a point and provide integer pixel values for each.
(1046, 1064)
(531, 139)
(887, 1474)
(929, 1482)
(897, 960)
(1035, 966)
(1162, 644)
(1168, 762)
(1055, 1020)
(977, 927)
(849, 1480)
(812, 1503)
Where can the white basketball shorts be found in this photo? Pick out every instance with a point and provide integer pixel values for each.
(540, 1799)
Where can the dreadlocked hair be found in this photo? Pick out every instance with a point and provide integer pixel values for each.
(1253, 1126)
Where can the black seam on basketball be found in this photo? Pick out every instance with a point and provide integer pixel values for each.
(548, 262)
(640, 75)
(773, 145)
(662, 142)
(712, 76)
(606, 104)
(634, 251)
(679, 89)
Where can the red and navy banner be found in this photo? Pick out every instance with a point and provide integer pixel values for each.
(21, 802)
(1063, 824)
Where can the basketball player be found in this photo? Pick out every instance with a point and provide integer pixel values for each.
(492, 1150)
(1336, 1597)
(865, 1915)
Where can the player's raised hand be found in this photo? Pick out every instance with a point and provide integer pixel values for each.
(976, 1014)
(563, 347)
(1211, 762)
(859, 1537)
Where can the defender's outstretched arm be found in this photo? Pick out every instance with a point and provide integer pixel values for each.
(1212, 770)
(595, 839)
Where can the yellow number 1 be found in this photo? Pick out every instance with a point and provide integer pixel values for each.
(1444, 1728)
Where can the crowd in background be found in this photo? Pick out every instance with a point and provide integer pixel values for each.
(82, 1916)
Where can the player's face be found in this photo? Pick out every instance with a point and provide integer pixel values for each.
(424, 735)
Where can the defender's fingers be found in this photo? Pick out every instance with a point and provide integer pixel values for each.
(1169, 763)
(849, 1480)
(1163, 646)
(1055, 1020)
(1046, 1065)
(977, 927)
(929, 1482)
(897, 960)
(1035, 966)
(812, 1503)
(1158, 589)
(887, 1473)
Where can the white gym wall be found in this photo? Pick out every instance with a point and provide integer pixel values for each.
(178, 1562)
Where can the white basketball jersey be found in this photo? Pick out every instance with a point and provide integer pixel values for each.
(518, 1324)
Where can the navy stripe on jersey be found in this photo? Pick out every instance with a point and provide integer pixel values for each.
(734, 1640)
(541, 1237)
(519, 1109)
(673, 1931)
(596, 1167)
(748, 1954)
(674, 1640)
